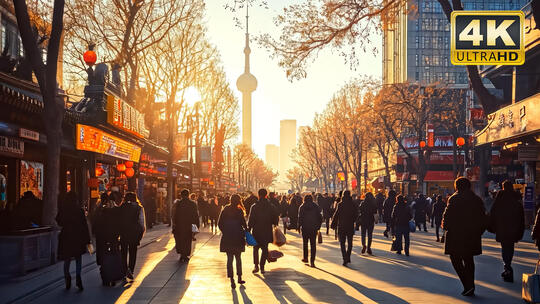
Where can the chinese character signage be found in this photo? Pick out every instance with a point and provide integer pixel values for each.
(95, 140)
(125, 117)
(11, 146)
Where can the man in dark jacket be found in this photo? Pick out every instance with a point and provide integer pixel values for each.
(420, 211)
(309, 222)
(507, 221)
(185, 215)
(132, 228)
(262, 217)
(379, 199)
(343, 219)
(388, 208)
(464, 221)
(437, 213)
(249, 202)
(326, 205)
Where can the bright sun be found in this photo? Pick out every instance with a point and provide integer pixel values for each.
(192, 95)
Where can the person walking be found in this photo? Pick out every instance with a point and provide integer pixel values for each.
(367, 210)
(343, 220)
(401, 215)
(262, 217)
(326, 205)
(420, 211)
(283, 207)
(507, 221)
(133, 226)
(213, 210)
(150, 207)
(309, 223)
(232, 224)
(388, 208)
(464, 220)
(292, 211)
(74, 236)
(437, 213)
(379, 200)
(106, 230)
(185, 215)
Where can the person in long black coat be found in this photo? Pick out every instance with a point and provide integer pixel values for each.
(74, 236)
(367, 210)
(507, 221)
(292, 211)
(388, 208)
(132, 228)
(464, 220)
(379, 199)
(326, 205)
(437, 213)
(213, 212)
(261, 219)
(420, 211)
(309, 222)
(283, 208)
(343, 220)
(185, 214)
(401, 215)
(233, 242)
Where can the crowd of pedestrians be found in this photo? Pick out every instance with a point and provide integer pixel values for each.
(118, 225)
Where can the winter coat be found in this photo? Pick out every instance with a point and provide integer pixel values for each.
(283, 207)
(367, 210)
(420, 210)
(535, 234)
(292, 211)
(249, 202)
(132, 222)
(464, 220)
(379, 201)
(214, 211)
(309, 218)
(106, 228)
(185, 214)
(437, 211)
(388, 208)
(326, 205)
(507, 219)
(261, 219)
(74, 236)
(232, 225)
(345, 216)
(401, 215)
(202, 206)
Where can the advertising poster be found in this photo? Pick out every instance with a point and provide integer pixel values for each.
(95, 140)
(32, 178)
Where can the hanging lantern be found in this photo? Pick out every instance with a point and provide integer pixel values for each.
(90, 57)
(129, 172)
(460, 141)
(121, 167)
(422, 144)
(99, 172)
(129, 164)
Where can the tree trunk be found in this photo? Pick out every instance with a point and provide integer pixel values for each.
(53, 127)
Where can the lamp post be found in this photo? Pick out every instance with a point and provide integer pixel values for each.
(460, 141)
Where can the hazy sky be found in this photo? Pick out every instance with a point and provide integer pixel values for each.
(276, 98)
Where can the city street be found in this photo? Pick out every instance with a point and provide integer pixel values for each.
(424, 277)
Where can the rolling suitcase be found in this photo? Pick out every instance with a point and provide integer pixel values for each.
(111, 266)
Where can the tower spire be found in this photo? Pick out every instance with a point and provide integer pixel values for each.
(247, 49)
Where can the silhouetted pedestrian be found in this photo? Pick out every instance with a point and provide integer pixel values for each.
(261, 219)
(401, 215)
(309, 223)
(232, 224)
(132, 228)
(388, 208)
(185, 215)
(464, 221)
(367, 210)
(343, 220)
(437, 212)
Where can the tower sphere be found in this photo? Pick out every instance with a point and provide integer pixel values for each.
(246, 83)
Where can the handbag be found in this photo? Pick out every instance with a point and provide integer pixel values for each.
(319, 237)
(250, 240)
(394, 246)
(530, 287)
(279, 237)
(194, 228)
(412, 226)
(273, 255)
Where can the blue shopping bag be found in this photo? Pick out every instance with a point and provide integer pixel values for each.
(250, 240)
(412, 226)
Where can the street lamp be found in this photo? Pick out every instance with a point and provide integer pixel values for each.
(460, 141)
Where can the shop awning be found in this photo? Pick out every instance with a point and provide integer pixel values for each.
(439, 176)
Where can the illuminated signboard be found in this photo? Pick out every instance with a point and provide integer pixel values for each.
(95, 140)
(125, 117)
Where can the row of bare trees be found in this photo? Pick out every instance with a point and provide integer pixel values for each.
(250, 170)
(365, 119)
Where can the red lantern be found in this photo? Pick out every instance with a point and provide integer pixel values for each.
(129, 172)
(460, 141)
(422, 144)
(90, 57)
(129, 164)
(99, 171)
(121, 167)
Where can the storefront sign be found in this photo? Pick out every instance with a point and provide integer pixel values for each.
(512, 121)
(11, 146)
(29, 134)
(528, 153)
(125, 117)
(95, 140)
(438, 142)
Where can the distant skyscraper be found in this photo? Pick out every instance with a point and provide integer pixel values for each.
(287, 142)
(272, 157)
(246, 83)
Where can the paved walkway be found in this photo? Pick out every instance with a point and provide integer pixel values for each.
(424, 277)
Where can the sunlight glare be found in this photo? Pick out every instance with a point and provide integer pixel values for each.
(192, 96)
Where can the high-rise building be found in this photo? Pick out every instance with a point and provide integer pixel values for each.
(287, 142)
(246, 83)
(272, 157)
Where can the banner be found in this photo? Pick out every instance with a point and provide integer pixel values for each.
(95, 140)
(32, 178)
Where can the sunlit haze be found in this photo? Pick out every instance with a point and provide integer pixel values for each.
(276, 98)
